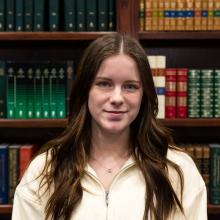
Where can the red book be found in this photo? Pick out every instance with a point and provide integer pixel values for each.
(26, 154)
(170, 95)
(182, 93)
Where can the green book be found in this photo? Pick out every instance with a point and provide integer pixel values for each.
(10, 15)
(111, 15)
(2, 15)
(38, 91)
(30, 89)
(61, 90)
(69, 15)
(52, 87)
(80, 15)
(11, 89)
(46, 89)
(21, 103)
(28, 15)
(53, 15)
(214, 174)
(39, 10)
(19, 15)
(2, 90)
(91, 15)
(102, 15)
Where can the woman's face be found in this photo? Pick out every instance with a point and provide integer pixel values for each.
(116, 94)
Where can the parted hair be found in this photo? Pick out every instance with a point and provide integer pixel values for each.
(67, 155)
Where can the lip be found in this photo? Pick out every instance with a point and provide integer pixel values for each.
(115, 112)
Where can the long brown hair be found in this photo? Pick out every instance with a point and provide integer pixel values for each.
(68, 154)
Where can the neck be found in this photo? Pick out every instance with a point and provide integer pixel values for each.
(109, 145)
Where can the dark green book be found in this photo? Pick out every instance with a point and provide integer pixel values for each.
(38, 105)
(53, 15)
(46, 89)
(19, 15)
(111, 15)
(214, 174)
(52, 86)
(30, 89)
(10, 15)
(80, 15)
(91, 15)
(39, 13)
(21, 99)
(28, 15)
(102, 15)
(2, 90)
(61, 89)
(11, 89)
(69, 15)
(2, 15)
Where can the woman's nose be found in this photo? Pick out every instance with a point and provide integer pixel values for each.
(117, 96)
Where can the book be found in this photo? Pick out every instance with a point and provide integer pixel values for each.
(80, 15)
(28, 15)
(53, 15)
(10, 15)
(2, 15)
(69, 15)
(111, 15)
(19, 15)
(102, 20)
(30, 91)
(3, 86)
(39, 14)
(141, 15)
(53, 88)
(91, 15)
(3, 173)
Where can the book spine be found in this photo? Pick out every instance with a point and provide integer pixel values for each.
(173, 15)
(10, 15)
(216, 14)
(194, 90)
(181, 9)
(3, 85)
(210, 22)
(217, 93)
(28, 15)
(102, 15)
(21, 104)
(53, 15)
(61, 90)
(198, 157)
(11, 89)
(161, 15)
(189, 15)
(3, 174)
(207, 93)
(214, 174)
(91, 12)
(111, 15)
(155, 15)
(39, 13)
(80, 15)
(69, 15)
(167, 15)
(170, 98)
(204, 15)
(198, 15)
(30, 90)
(181, 93)
(13, 164)
(52, 86)
(19, 15)
(141, 14)
(148, 15)
(45, 90)
(2, 15)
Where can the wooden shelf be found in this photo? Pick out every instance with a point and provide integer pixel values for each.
(191, 122)
(33, 123)
(51, 36)
(212, 209)
(179, 35)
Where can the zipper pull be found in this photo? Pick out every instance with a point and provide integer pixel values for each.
(107, 198)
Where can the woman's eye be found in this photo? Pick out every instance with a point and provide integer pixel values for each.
(131, 87)
(103, 84)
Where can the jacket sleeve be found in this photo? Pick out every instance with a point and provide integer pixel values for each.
(25, 209)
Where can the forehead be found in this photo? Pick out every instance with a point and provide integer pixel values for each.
(120, 66)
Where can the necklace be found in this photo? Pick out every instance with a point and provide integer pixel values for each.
(110, 170)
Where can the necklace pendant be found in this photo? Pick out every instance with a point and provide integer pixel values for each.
(109, 170)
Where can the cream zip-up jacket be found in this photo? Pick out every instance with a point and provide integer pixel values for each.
(123, 201)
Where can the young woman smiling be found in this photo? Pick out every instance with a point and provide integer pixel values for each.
(115, 160)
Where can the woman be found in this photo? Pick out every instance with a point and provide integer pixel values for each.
(114, 160)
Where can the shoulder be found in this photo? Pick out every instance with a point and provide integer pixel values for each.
(29, 184)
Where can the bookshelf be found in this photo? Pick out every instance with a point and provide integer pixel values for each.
(70, 45)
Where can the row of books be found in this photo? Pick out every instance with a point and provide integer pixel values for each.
(35, 89)
(57, 15)
(207, 159)
(176, 15)
(14, 159)
(185, 93)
